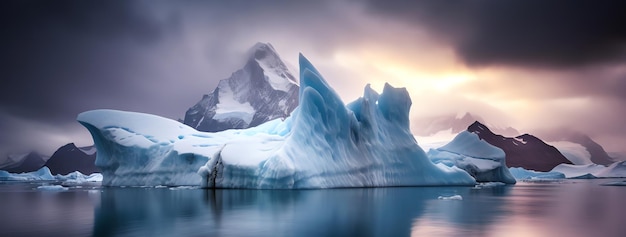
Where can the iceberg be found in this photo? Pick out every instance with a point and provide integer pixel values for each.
(136, 149)
(41, 174)
(580, 171)
(78, 177)
(323, 144)
(52, 188)
(485, 162)
(524, 174)
(44, 174)
(615, 170)
(591, 171)
(453, 197)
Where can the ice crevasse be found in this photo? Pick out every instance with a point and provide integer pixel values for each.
(323, 144)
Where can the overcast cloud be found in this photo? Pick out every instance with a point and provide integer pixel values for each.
(534, 63)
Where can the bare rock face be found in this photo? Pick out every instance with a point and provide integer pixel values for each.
(28, 162)
(526, 151)
(70, 158)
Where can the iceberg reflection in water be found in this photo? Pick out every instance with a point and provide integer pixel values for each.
(528, 209)
(557, 208)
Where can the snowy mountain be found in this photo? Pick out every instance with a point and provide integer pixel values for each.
(70, 158)
(324, 143)
(263, 90)
(21, 163)
(526, 151)
(454, 124)
(596, 153)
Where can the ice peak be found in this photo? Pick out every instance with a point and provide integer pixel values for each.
(310, 77)
(395, 104)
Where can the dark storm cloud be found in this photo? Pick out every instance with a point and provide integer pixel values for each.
(55, 54)
(556, 33)
(60, 58)
(63, 57)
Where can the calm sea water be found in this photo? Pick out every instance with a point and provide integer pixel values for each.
(568, 208)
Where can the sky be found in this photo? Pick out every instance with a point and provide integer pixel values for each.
(527, 64)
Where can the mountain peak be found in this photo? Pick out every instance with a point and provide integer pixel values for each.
(264, 89)
(478, 126)
(525, 150)
(260, 50)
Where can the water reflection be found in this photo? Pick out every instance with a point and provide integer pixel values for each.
(524, 210)
(333, 212)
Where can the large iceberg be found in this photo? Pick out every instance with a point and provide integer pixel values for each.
(323, 144)
(485, 162)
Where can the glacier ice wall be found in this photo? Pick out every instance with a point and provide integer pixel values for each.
(143, 149)
(323, 144)
(480, 159)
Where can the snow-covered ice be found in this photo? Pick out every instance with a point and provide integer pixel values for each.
(579, 171)
(485, 162)
(41, 174)
(52, 188)
(323, 144)
(615, 170)
(453, 197)
(489, 185)
(590, 171)
(44, 174)
(524, 174)
(78, 177)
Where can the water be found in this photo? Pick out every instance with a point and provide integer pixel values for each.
(566, 208)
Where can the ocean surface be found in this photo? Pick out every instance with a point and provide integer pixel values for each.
(563, 208)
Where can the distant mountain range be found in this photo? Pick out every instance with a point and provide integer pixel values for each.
(596, 151)
(428, 126)
(263, 90)
(70, 158)
(575, 146)
(66, 159)
(526, 151)
(21, 163)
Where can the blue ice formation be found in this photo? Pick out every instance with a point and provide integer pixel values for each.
(78, 177)
(485, 162)
(524, 174)
(44, 174)
(41, 174)
(323, 144)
